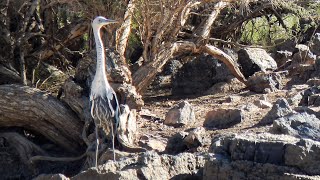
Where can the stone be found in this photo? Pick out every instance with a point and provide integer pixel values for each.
(148, 165)
(152, 143)
(260, 82)
(231, 85)
(51, 176)
(281, 108)
(195, 138)
(253, 60)
(198, 75)
(223, 118)
(265, 148)
(180, 115)
(314, 100)
(302, 125)
(175, 143)
(305, 155)
(221, 168)
(262, 104)
(303, 55)
(307, 93)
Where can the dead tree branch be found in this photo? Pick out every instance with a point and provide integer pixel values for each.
(35, 110)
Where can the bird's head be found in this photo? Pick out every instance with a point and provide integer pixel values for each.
(100, 21)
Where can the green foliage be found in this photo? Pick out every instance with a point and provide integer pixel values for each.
(266, 30)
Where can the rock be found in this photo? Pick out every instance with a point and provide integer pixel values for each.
(261, 81)
(172, 67)
(148, 165)
(281, 108)
(255, 59)
(314, 100)
(220, 168)
(265, 148)
(315, 44)
(231, 85)
(303, 55)
(300, 125)
(223, 118)
(152, 143)
(249, 107)
(180, 115)
(51, 176)
(304, 155)
(195, 138)
(198, 75)
(262, 104)
(310, 110)
(307, 93)
(175, 143)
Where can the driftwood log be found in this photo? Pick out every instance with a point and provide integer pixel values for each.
(30, 108)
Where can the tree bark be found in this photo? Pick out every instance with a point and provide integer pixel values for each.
(124, 31)
(37, 111)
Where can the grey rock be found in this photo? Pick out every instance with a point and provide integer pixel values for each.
(180, 115)
(198, 75)
(51, 176)
(260, 82)
(148, 165)
(175, 143)
(266, 148)
(281, 108)
(223, 118)
(307, 93)
(304, 155)
(195, 138)
(314, 100)
(301, 125)
(255, 59)
(221, 168)
(262, 104)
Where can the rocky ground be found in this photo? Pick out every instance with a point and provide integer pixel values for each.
(269, 129)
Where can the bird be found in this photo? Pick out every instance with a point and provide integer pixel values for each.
(103, 100)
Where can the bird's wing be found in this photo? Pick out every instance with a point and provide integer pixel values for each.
(105, 106)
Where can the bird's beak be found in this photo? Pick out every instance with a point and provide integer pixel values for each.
(110, 21)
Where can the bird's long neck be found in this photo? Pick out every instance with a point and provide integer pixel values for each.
(101, 65)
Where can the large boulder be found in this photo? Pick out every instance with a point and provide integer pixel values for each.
(198, 75)
(148, 165)
(255, 59)
(265, 148)
(301, 125)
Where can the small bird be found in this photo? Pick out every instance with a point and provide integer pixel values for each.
(103, 99)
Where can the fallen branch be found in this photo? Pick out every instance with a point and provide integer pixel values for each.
(30, 108)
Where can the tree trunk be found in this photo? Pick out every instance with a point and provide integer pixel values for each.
(37, 111)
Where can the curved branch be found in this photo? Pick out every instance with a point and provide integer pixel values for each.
(33, 109)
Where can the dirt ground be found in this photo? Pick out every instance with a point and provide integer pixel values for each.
(158, 103)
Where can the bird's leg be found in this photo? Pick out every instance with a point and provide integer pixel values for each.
(97, 146)
(112, 134)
